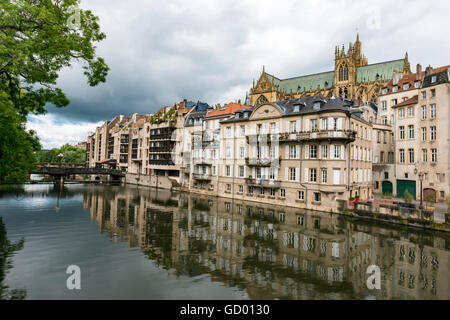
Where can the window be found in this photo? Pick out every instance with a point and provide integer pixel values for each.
(411, 112)
(424, 94)
(411, 131)
(324, 175)
(424, 112)
(314, 125)
(383, 105)
(261, 191)
(395, 89)
(271, 173)
(402, 155)
(384, 137)
(433, 79)
(293, 126)
(433, 133)
(316, 196)
(402, 132)
(438, 177)
(281, 217)
(313, 175)
(273, 127)
(393, 102)
(241, 188)
(229, 132)
(242, 131)
(384, 120)
(417, 84)
(228, 171)
(293, 152)
(282, 193)
(228, 152)
(433, 155)
(313, 152)
(337, 152)
(406, 86)
(381, 156)
(343, 73)
(411, 155)
(250, 190)
(292, 174)
(228, 187)
(386, 175)
(335, 123)
(324, 151)
(401, 113)
(432, 111)
(300, 219)
(242, 152)
(301, 195)
(241, 171)
(424, 155)
(424, 134)
(272, 192)
(433, 93)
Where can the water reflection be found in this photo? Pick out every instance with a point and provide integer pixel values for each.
(273, 252)
(7, 250)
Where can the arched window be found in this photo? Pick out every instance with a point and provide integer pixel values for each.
(343, 72)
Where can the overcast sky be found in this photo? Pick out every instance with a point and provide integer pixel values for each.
(161, 52)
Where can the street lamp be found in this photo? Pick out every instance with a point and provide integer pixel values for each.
(60, 156)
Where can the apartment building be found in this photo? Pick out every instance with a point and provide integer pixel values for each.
(306, 152)
(210, 152)
(404, 134)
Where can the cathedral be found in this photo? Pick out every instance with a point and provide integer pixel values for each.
(352, 78)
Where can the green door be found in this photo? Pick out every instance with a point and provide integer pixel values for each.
(403, 185)
(386, 187)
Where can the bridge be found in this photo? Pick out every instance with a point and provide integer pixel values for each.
(65, 170)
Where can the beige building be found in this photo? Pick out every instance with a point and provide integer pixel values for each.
(305, 153)
(407, 133)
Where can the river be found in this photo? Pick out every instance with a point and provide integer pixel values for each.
(140, 243)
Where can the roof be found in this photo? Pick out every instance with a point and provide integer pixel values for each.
(384, 70)
(441, 77)
(325, 80)
(227, 109)
(411, 79)
(408, 102)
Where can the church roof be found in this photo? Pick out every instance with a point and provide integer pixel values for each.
(325, 80)
(385, 70)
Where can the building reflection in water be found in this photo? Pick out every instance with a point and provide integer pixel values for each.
(273, 252)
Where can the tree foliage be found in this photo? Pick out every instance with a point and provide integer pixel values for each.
(37, 39)
(70, 154)
(17, 146)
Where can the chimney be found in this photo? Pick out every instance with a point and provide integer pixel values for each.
(428, 70)
(419, 71)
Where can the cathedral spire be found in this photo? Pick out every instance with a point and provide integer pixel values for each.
(357, 36)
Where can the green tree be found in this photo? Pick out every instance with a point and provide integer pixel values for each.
(408, 197)
(37, 39)
(17, 146)
(70, 154)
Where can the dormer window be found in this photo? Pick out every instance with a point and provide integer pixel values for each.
(406, 86)
(296, 108)
(395, 89)
(245, 114)
(417, 84)
(384, 91)
(316, 105)
(433, 79)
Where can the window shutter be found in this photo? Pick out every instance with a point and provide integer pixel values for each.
(332, 151)
(245, 172)
(297, 151)
(306, 125)
(299, 125)
(287, 127)
(330, 123)
(286, 156)
(306, 151)
(297, 174)
(306, 174)
(286, 174)
(343, 152)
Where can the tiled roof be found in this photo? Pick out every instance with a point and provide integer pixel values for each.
(408, 102)
(411, 79)
(227, 109)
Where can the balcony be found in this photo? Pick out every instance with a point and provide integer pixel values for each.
(342, 135)
(262, 162)
(161, 149)
(161, 162)
(262, 138)
(263, 182)
(203, 161)
(202, 176)
(163, 136)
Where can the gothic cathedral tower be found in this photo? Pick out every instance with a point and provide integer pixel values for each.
(345, 67)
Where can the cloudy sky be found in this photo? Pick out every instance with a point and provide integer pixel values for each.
(161, 52)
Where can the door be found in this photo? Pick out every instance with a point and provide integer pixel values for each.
(386, 187)
(403, 185)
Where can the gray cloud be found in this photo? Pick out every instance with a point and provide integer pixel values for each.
(161, 52)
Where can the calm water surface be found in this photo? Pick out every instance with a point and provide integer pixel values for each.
(142, 243)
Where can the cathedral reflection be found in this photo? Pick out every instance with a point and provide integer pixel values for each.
(273, 252)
